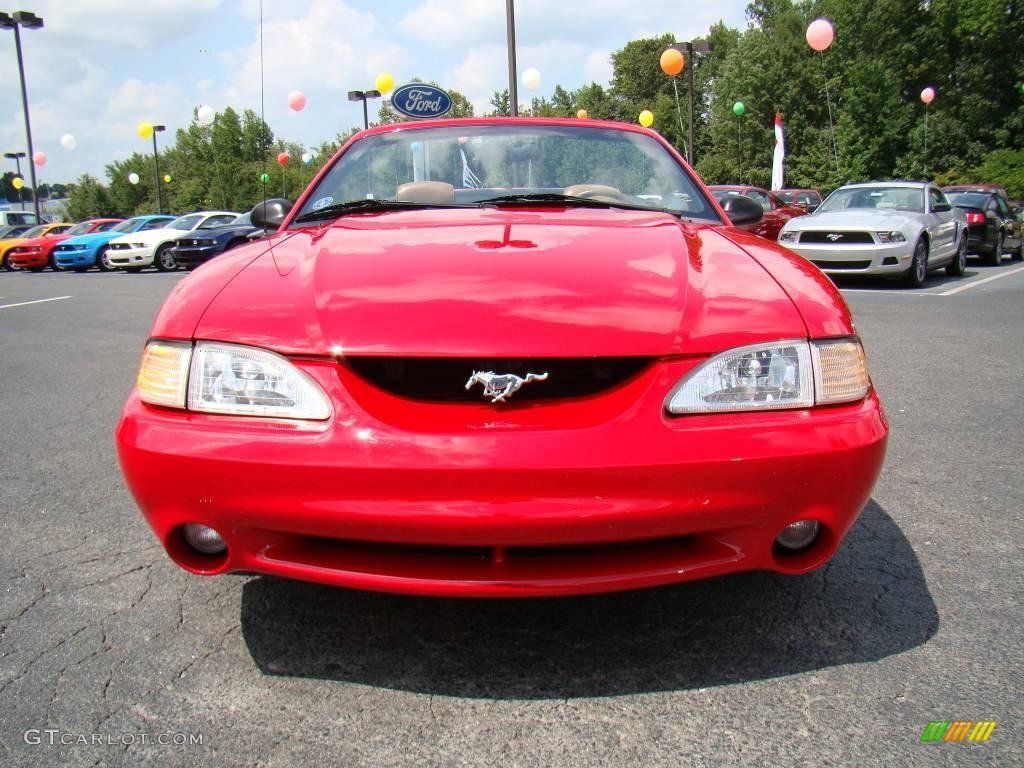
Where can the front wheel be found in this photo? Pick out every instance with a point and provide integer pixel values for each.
(7, 263)
(165, 259)
(103, 260)
(918, 266)
(958, 265)
(996, 257)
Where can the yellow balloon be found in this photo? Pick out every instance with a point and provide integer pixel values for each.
(145, 130)
(582, 114)
(646, 118)
(385, 82)
(167, 178)
(17, 183)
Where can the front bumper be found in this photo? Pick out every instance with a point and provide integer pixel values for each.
(80, 257)
(866, 259)
(28, 259)
(189, 255)
(603, 494)
(130, 257)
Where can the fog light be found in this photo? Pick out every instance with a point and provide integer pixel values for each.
(203, 539)
(799, 535)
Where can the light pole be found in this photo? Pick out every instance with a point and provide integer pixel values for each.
(156, 163)
(16, 157)
(688, 49)
(510, 42)
(363, 96)
(30, 21)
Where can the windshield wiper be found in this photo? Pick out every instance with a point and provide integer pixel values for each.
(553, 198)
(369, 206)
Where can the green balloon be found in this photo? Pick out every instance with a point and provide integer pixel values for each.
(738, 108)
(265, 178)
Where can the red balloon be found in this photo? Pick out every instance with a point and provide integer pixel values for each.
(928, 95)
(283, 158)
(820, 34)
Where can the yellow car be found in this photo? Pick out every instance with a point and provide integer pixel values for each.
(41, 230)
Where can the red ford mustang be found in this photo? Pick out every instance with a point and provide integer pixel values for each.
(503, 357)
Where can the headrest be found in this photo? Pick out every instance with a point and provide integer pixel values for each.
(426, 192)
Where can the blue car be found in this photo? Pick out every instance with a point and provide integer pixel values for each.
(80, 253)
(201, 245)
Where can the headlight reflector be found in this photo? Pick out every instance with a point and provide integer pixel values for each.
(163, 374)
(780, 374)
(227, 378)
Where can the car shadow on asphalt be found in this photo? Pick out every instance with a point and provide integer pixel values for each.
(870, 602)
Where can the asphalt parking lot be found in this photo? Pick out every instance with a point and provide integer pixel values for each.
(918, 618)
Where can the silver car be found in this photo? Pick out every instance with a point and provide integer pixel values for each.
(891, 229)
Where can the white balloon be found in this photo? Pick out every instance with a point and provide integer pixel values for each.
(307, 158)
(68, 141)
(133, 178)
(531, 79)
(206, 114)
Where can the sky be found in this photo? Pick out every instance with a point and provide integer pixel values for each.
(100, 67)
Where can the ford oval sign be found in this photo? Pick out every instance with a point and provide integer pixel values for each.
(420, 101)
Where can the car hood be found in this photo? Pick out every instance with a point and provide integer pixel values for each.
(150, 236)
(486, 282)
(854, 218)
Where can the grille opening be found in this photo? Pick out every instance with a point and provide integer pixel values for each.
(444, 379)
(841, 264)
(837, 238)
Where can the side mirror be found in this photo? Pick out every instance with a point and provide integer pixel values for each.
(270, 213)
(941, 208)
(742, 211)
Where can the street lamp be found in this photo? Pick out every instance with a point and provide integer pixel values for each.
(688, 49)
(16, 157)
(30, 21)
(510, 43)
(363, 96)
(156, 162)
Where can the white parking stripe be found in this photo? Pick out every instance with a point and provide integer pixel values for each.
(37, 301)
(981, 282)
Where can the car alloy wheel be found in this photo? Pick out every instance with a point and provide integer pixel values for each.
(165, 259)
(996, 257)
(103, 261)
(958, 265)
(7, 263)
(918, 266)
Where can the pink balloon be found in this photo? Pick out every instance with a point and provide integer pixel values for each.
(39, 158)
(928, 95)
(283, 158)
(820, 34)
(297, 100)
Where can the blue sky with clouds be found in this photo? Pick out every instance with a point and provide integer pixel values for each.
(100, 67)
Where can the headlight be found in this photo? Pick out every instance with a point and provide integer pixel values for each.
(230, 379)
(780, 374)
(891, 237)
(788, 237)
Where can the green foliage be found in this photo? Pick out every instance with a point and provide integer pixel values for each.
(1004, 167)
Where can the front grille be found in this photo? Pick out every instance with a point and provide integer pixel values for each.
(827, 237)
(444, 379)
(842, 264)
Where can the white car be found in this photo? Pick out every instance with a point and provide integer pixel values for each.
(890, 229)
(153, 247)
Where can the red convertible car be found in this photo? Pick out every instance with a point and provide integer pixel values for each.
(503, 357)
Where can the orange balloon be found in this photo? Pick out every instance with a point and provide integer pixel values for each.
(582, 114)
(672, 62)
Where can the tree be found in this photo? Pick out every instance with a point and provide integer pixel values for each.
(88, 200)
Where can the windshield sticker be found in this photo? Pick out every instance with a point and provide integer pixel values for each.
(323, 202)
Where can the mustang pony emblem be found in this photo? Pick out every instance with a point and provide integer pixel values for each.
(834, 236)
(499, 386)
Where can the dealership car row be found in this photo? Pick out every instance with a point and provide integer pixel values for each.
(887, 229)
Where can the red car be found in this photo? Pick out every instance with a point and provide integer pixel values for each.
(37, 254)
(776, 211)
(503, 357)
(807, 199)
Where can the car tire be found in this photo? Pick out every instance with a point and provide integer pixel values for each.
(53, 264)
(958, 265)
(7, 264)
(164, 259)
(918, 271)
(103, 261)
(996, 257)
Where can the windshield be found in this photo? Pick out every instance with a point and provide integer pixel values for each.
(128, 225)
(36, 231)
(187, 223)
(80, 229)
(892, 198)
(487, 161)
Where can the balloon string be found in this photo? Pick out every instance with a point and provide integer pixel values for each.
(831, 125)
(679, 112)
